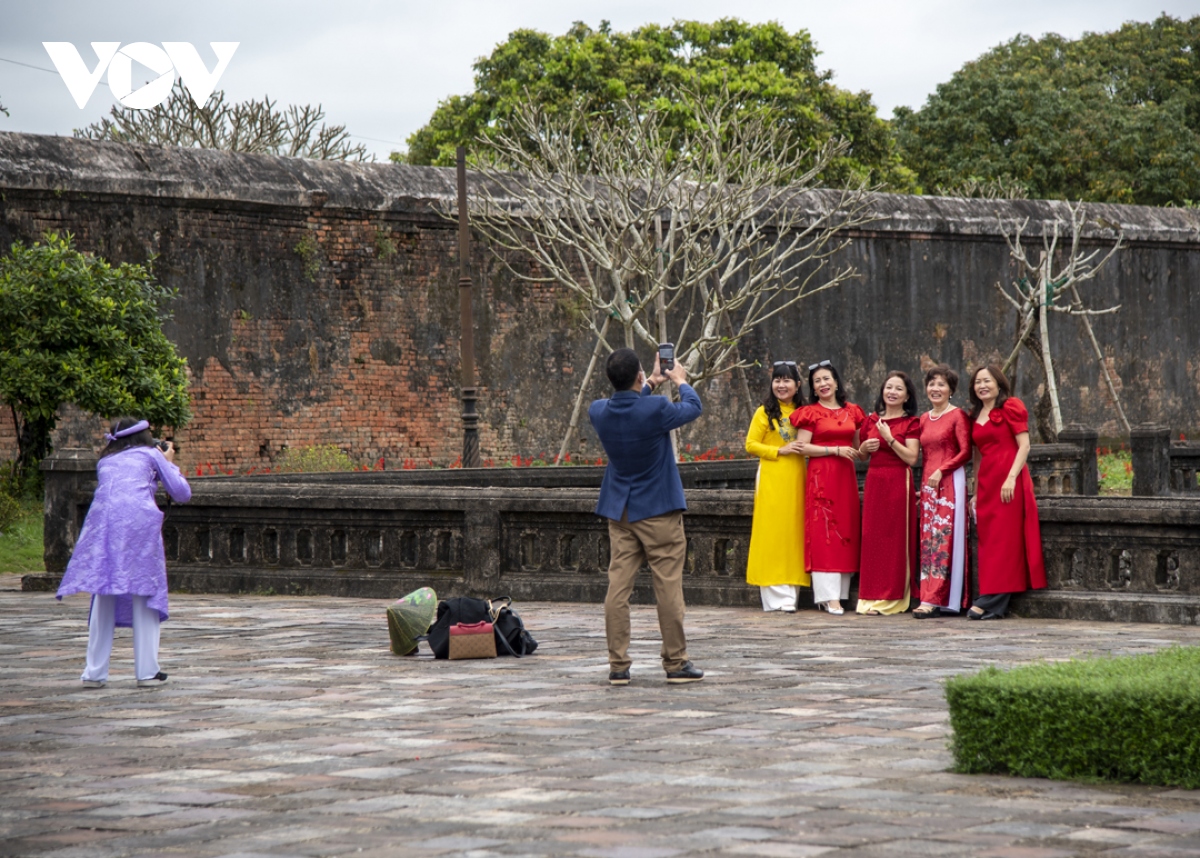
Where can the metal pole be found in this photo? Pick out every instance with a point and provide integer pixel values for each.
(470, 417)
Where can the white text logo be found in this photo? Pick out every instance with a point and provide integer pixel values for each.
(164, 61)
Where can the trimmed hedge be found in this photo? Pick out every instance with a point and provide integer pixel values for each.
(1132, 718)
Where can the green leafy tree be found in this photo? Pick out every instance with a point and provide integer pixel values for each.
(763, 66)
(1110, 117)
(75, 329)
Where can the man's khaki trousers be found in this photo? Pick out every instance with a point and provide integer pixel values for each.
(659, 542)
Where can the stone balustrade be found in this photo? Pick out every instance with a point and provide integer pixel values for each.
(1184, 464)
(1119, 558)
(505, 531)
(1162, 467)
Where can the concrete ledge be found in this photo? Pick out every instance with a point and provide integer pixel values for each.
(392, 585)
(1110, 606)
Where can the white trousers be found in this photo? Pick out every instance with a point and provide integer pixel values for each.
(830, 586)
(778, 597)
(100, 639)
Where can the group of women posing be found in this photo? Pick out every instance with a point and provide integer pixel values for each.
(903, 540)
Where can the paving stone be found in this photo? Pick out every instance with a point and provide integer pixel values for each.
(288, 729)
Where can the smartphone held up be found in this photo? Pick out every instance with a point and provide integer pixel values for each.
(666, 356)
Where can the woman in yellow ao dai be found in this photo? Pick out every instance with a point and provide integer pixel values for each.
(776, 561)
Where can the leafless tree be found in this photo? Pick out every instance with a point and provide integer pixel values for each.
(1041, 288)
(1004, 188)
(249, 126)
(694, 237)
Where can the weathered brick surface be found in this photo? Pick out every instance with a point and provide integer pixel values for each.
(319, 304)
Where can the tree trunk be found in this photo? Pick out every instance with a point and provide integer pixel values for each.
(1047, 358)
(33, 444)
(739, 370)
(1112, 388)
(1012, 366)
(582, 393)
(1041, 411)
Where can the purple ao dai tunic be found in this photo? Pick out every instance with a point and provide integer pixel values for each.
(120, 549)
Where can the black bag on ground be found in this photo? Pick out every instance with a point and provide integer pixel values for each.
(511, 637)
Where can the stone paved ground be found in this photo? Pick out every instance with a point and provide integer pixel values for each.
(288, 729)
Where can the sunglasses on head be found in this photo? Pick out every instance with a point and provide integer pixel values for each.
(784, 363)
(815, 366)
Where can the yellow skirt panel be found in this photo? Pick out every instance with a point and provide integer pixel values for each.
(777, 539)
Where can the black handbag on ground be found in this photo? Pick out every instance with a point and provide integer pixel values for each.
(511, 636)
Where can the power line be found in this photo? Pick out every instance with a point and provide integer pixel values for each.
(377, 140)
(27, 65)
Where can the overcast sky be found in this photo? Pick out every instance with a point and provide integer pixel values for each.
(381, 68)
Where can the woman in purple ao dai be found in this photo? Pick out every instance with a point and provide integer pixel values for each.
(119, 556)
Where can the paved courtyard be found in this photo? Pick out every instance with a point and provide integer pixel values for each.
(288, 729)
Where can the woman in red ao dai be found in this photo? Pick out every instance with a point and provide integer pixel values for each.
(945, 449)
(888, 565)
(827, 430)
(1010, 539)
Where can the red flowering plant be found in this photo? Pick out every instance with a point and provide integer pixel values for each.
(712, 454)
(1115, 469)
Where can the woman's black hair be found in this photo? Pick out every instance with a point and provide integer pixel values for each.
(944, 372)
(138, 439)
(1005, 389)
(840, 393)
(910, 404)
(771, 404)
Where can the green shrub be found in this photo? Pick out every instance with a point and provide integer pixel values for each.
(1131, 718)
(10, 511)
(311, 460)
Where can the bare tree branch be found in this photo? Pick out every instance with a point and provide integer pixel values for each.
(249, 126)
(1039, 290)
(699, 240)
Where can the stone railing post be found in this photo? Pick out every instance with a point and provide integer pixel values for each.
(481, 547)
(1151, 447)
(1089, 471)
(67, 474)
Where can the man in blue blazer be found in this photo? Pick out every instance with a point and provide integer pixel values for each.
(642, 498)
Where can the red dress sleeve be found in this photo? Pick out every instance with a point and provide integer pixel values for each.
(962, 436)
(1015, 414)
(801, 418)
(856, 414)
(909, 429)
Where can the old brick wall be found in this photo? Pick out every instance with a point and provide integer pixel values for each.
(318, 304)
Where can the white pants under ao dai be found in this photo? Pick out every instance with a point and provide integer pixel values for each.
(779, 597)
(830, 586)
(100, 639)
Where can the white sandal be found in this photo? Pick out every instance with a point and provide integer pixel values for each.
(834, 608)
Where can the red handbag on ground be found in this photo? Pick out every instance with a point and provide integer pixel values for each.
(474, 640)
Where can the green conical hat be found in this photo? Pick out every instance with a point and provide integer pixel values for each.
(409, 618)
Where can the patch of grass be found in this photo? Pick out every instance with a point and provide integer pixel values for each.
(1128, 719)
(1116, 471)
(21, 540)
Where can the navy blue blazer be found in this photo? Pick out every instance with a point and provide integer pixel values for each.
(642, 477)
